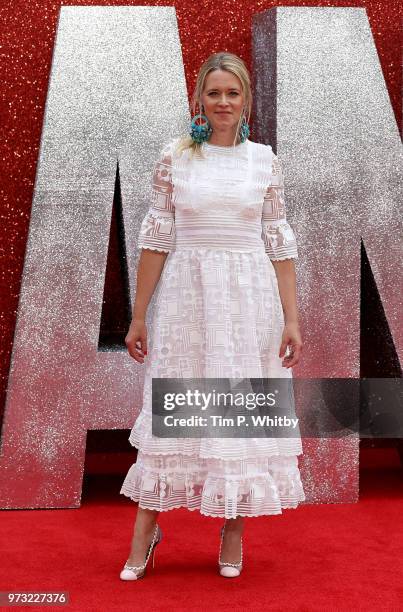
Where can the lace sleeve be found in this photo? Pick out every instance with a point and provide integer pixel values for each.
(157, 231)
(278, 236)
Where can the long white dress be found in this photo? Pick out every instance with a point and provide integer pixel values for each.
(218, 313)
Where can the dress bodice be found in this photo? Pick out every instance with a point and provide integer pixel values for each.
(229, 198)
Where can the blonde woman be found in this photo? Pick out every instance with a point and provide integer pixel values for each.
(217, 243)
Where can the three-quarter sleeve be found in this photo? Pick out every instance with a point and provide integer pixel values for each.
(278, 236)
(157, 231)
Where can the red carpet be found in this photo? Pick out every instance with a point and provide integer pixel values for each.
(314, 558)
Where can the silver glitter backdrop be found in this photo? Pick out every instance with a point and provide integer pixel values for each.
(116, 93)
(322, 102)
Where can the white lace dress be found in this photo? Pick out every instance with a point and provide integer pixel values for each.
(217, 313)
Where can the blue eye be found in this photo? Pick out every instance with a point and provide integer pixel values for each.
(213, 93)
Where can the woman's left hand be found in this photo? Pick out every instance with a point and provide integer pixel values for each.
(291, 337)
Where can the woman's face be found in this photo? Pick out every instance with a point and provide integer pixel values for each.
(223, 100)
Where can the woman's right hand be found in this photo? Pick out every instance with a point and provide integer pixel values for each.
(136, 340)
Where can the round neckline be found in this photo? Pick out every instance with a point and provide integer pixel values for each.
(240, 144)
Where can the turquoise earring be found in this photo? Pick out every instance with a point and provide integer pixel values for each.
(244, 130)
(201, 129)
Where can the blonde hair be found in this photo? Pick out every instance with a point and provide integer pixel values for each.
(218, 61)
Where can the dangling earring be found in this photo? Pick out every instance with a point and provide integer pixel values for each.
(244, 130)
(200, 132)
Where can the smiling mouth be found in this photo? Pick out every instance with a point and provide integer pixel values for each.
(223, 112)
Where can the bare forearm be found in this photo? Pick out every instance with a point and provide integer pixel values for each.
(286, 279)
(149, 271)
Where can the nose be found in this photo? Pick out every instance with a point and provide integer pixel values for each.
(223, 100)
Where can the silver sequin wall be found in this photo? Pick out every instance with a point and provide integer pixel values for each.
(322, 102)
(116, 93)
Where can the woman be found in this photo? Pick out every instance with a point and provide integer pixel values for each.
(217, 242)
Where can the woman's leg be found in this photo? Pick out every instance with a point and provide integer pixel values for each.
(143, 533)
(231, 545)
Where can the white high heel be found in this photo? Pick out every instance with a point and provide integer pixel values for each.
(134, 572)
(229, 570)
